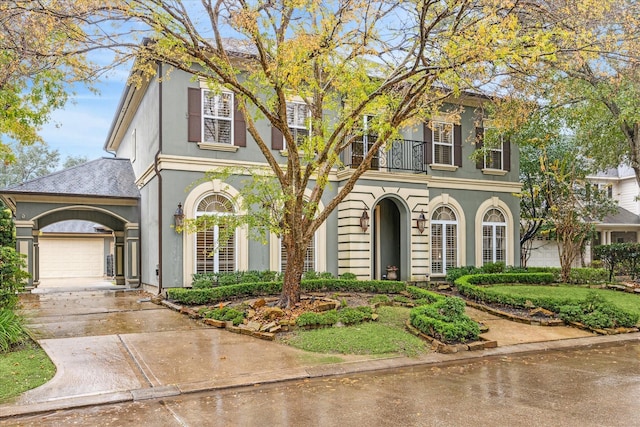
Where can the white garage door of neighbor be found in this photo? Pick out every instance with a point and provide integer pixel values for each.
(63, 258)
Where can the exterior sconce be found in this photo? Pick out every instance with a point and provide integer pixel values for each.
(421, 222)
(364, 221)
(178, 217)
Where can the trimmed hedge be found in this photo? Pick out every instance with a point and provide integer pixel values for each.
(577, 275)
(214, 295)
(525, 278)
(210, 280)
(445, 320)
(468, 286)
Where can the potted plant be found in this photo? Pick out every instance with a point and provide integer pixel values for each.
(392, 272)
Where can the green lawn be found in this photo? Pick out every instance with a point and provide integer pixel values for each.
(626, 301)
(24, 369)
(387, 335)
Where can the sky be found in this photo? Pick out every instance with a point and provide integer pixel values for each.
(80, 129)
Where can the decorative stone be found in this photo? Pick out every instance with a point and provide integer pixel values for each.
(273, 313)
(264, 335)
(475, 346)
(274, 329)
(215, 322)
(326, 306)
(259, 303)
(374, 317)
(254, 326)
(490, 344)
(541, 311)
(268, 326)
(444, 287)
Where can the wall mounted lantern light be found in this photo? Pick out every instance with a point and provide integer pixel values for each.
(421, 222)
(364, 221)
(178, 217)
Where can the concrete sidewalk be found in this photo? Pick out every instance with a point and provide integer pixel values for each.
(116, 346)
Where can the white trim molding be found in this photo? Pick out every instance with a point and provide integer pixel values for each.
(495, 202)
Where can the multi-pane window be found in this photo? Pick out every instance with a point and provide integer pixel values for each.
(494, 237)
(217, 117)
(362, 145)
(309, 257)
(298, 119)
(444, 240)
(494, 154)
(213, 256)
(442, 137)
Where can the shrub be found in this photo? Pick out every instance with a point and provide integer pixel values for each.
(445, 320)
(209, 280)
(12, 276)
(379, 299)
(423, 296)
(224, 313)
(595, 312)
(353, 315)
(348, 276)
(11, 330)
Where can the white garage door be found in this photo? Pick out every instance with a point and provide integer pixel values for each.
(64, 258)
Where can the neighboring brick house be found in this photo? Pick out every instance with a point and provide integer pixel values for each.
(620, 184)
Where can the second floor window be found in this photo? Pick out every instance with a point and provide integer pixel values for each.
(494, 156)
(442, 143)
(298, 119)
(217, 117)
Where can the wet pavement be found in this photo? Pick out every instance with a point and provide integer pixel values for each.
(114, 346)
(580, 387)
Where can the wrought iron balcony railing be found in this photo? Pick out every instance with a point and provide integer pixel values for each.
(402, 155)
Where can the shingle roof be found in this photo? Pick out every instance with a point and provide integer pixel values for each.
(104, 177)
(622, 217)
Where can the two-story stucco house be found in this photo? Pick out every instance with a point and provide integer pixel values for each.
(424, 205)
(428, 206)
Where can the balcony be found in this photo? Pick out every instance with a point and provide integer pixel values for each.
(403, 155)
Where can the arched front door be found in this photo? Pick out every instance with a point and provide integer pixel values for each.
(388, 230)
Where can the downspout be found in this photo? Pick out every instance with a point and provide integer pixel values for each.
(156, 167)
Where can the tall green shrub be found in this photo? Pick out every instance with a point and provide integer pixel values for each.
(12, 276)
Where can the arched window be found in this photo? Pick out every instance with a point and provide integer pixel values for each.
(444, 240)
(211, 255)
(494, 237)
(309, 257)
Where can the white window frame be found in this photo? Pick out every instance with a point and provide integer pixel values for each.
(216, 233)
(209, 94)
(443, 252)
(492, 151)
(297, 123)
(313, 245)
(439, 128)
(493, 226)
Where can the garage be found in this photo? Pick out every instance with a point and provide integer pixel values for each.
(69, 257)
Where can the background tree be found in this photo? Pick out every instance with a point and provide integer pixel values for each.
(33, 161)
(41, 55)
(594, 80)
(574, 204)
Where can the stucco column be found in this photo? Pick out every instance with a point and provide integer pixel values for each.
(25, 237)
(119, 258)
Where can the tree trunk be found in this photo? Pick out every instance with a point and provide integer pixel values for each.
(296, 250)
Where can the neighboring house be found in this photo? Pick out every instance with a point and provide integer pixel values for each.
(430, 207)
(623, 227)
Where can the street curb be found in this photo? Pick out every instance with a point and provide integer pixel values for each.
(320, 371)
